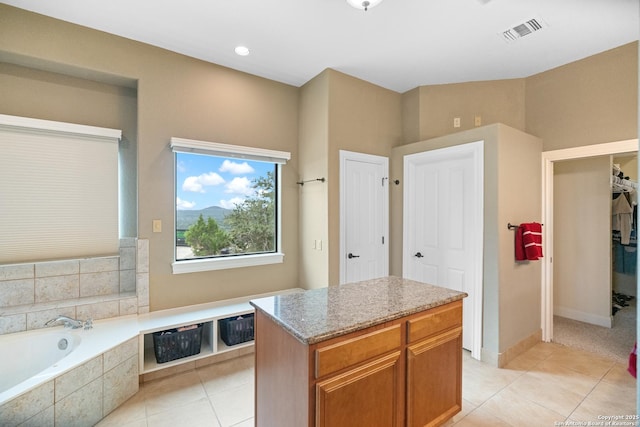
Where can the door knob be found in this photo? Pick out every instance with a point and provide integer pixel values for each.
(419, 255)
(352, 256)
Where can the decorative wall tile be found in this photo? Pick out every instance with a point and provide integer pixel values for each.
(128, 306)
(97, 265)
(142, 288)
(16, 292)
(127, 281)
(57, 268)
(45, 418)
(56, 288)
(103, 283)
(120, 383)
(16, 271)
(143, 256)
(119, 354)
(143, 309)
(81, 408)
(77, 378)
(127, 258)
(101, 310)
(13, 323)
(37, 319)
(27, 405)
(128, 242)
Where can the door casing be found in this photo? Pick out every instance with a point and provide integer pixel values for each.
(548, 158)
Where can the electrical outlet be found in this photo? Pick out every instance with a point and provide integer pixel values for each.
(456, 122)
(478, 121)
(157, 226)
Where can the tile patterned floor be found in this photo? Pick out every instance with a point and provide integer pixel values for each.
(547, 386)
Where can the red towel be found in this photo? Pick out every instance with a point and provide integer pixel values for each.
(529, 241)
(633, 360)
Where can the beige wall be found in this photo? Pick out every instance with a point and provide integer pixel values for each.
(177, 96)
(590, 101)
(500, 101)
(313, 162)
(337, 112)
(519, 200)
(582, 240)
(586, 102)
(363, 118)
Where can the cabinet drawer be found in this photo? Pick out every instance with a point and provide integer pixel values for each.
(436, 320)
(355, 350)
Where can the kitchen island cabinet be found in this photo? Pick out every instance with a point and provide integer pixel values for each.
(385, 352)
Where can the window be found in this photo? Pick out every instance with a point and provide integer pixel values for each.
(227, 206)
(59, 187)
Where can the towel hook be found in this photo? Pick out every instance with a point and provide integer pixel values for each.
(514, 227)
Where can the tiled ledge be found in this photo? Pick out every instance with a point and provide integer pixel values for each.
(34, 316)
(21, 309)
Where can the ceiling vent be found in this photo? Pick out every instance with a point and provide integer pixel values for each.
(521, 30)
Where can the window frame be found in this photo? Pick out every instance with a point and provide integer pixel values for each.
(279, 158)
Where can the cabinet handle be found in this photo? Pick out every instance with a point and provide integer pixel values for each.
(419, 255)
(352, 256)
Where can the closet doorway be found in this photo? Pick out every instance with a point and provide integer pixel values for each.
(577, 194)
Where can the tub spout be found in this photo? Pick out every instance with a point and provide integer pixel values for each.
(68, 322)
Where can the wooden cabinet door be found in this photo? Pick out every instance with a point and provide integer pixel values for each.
(434, 379)
(364, 396)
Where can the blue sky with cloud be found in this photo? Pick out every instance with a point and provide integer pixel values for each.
(204, 181)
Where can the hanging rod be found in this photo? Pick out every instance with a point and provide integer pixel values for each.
(310, 180)
(514, 227)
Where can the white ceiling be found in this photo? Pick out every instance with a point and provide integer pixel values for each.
(399, 44)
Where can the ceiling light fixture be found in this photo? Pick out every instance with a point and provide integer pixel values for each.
(242, 50)
(363, 5)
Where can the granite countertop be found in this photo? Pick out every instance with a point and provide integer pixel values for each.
(320, 314)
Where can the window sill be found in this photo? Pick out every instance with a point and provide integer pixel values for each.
(210, 264)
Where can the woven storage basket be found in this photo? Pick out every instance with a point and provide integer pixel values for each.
(173, 344)
(236, 330)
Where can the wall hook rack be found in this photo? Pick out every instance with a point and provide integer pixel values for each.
(301, 183)
(514, 227)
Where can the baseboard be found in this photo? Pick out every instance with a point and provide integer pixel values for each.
(583, 316)
(500, 360)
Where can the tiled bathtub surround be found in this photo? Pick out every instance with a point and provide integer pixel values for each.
(96, 288)
(81, 396)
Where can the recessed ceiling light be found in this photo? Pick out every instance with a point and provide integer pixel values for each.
(242, 50)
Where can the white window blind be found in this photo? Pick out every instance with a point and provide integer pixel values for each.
(58, 190)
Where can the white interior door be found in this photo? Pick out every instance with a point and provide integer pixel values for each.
(443, 225)
(364, 213)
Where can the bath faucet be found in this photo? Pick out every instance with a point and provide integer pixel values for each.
(71, 323)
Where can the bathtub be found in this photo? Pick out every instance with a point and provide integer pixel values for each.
(32, 358)
(34, 355)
